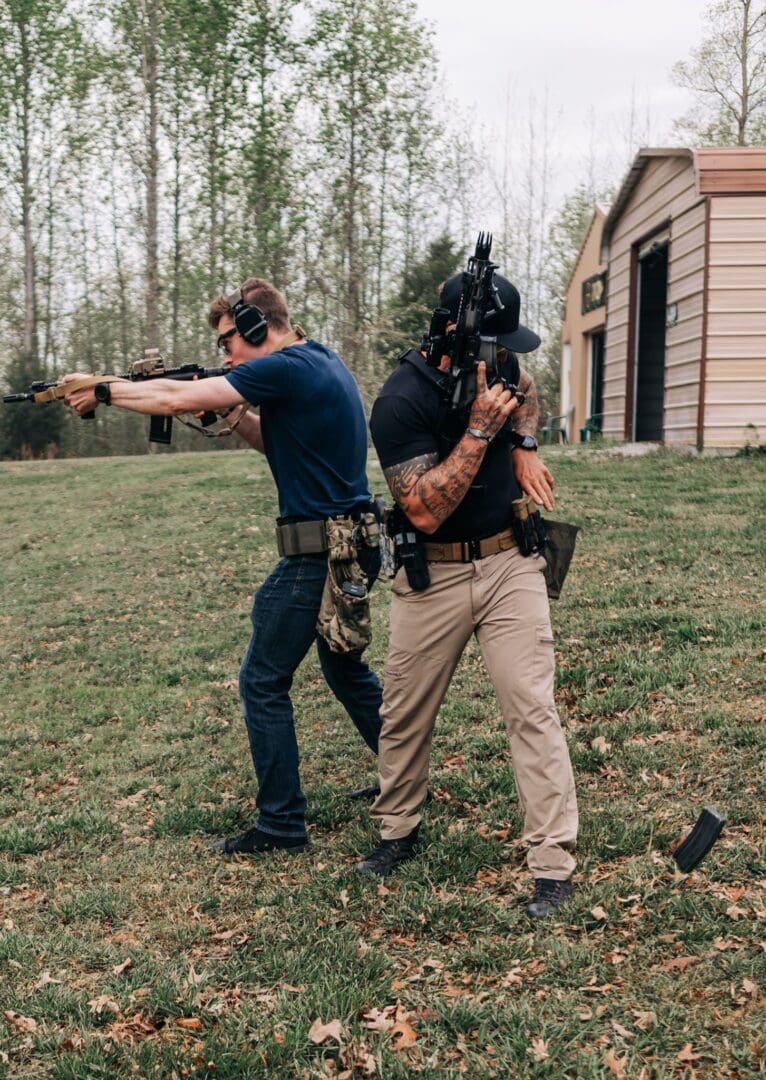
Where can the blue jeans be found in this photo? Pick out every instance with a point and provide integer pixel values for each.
(284, 618)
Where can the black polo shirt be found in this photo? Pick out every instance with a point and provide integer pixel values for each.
(405, 423)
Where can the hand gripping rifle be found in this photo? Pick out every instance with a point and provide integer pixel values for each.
(464, 344)
(152, 366)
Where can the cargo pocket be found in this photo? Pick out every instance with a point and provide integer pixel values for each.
(544, 665)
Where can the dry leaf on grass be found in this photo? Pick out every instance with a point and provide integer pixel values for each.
(599, 913)
(190, 1023)
(46, 980)
(119, 968)
(615, 1065)
(319, 1033)
(102, 1004)
(644, 1018)
(678, 963)
(600, 745)
(404, 1035)
(381, 1020)
(21, 1023)
(344, 898)
(687, 1055)
(538, 1048)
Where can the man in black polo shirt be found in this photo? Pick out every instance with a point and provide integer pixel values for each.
(312, 429)
(455, 475)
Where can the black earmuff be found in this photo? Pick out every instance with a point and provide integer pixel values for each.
(249, 320)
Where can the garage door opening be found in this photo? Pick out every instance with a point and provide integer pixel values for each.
(650, 347)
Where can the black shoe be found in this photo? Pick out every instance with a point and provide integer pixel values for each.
(549, 896)
(368, 794)
(365, 794)
(389, 854)
(255, 840)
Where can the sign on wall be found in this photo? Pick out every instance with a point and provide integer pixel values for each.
(593, 292)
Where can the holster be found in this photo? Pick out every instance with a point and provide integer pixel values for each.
(344, 612)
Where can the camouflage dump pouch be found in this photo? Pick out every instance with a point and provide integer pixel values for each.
(344, 614)
(558, 553)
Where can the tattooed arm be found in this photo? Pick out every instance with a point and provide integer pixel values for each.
(429, 490)
(527, 416)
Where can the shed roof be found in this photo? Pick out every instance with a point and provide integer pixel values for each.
(720, 170)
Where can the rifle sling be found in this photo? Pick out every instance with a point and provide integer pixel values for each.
(60, 390)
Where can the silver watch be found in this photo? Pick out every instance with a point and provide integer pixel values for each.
(479, 434)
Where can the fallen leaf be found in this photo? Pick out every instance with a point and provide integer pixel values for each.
(225, 935)
(190, 1023)
(538, 1048)
(749, 987)
(678, 963)
(21, 1023)
(644, 1018)
(379, 1019)
(404, 1035)
(344, 897)
(46, 980)
(599, 913)
(735, 912)
(279, 1037)
(600, 745)
(615, 1065)
(102, 1004)
(319, 1033)
(687, 1054)
(119, 968)
(622, 1030)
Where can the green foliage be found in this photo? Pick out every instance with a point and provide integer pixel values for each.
(409, 312)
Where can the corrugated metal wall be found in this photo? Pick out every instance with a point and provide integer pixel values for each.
(735, 390)
(665, 192)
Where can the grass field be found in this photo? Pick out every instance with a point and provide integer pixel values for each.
(126, 949)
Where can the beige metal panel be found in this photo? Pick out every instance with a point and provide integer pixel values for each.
(737, 322)
(733, 436)
(738, 229)
(739, 347)
(739, 368)
(688, 220)
(739, 254)
(688, 284)
(729, 391)
(726, 300)
(681, 266)
(753, 412)
(733, 206)
(661, 183)
(687, 244)
(736, 277)
(689, 306)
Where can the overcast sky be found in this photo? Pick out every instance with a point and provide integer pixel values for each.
(593, 57)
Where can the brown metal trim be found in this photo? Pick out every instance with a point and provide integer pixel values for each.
(630, 373)
(703, 350)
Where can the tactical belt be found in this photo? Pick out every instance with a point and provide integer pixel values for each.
(310, 537)
(301, 538)
(468, 550)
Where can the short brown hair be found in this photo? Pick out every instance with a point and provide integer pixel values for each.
(261, 293)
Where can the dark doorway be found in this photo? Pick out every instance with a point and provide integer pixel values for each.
(650, 354)
(596, 402)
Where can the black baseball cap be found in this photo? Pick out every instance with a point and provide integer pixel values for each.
(503, 325)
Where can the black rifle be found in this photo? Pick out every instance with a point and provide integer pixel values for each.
(464, 344)
(151, 366)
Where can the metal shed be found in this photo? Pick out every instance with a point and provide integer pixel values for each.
(685, 349)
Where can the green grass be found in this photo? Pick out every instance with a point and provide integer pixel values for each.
(126, 590)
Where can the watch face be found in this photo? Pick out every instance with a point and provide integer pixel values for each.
(102, 391)
(529, 442)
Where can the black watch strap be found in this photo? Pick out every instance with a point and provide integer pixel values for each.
(103, 392)
(522, 442)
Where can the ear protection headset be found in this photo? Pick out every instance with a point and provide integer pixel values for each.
(249, 320)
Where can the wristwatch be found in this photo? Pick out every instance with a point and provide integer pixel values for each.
(479, 434)
(522, 442)
(103, 392)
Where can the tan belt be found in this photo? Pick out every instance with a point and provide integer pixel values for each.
(468, 550)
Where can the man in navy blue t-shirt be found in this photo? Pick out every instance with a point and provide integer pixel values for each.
(312, 430)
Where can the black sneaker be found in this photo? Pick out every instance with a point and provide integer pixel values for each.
(255, 840)
(549, 896)
(389, 854)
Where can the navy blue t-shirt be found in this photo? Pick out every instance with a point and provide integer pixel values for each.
(313, 427)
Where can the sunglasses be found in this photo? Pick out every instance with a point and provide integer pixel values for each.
(223, 339)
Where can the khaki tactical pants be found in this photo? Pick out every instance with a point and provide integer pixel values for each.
(502, 599)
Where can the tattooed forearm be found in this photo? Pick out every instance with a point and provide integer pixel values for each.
(527, 416)
(428, 491)
(402, 478)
